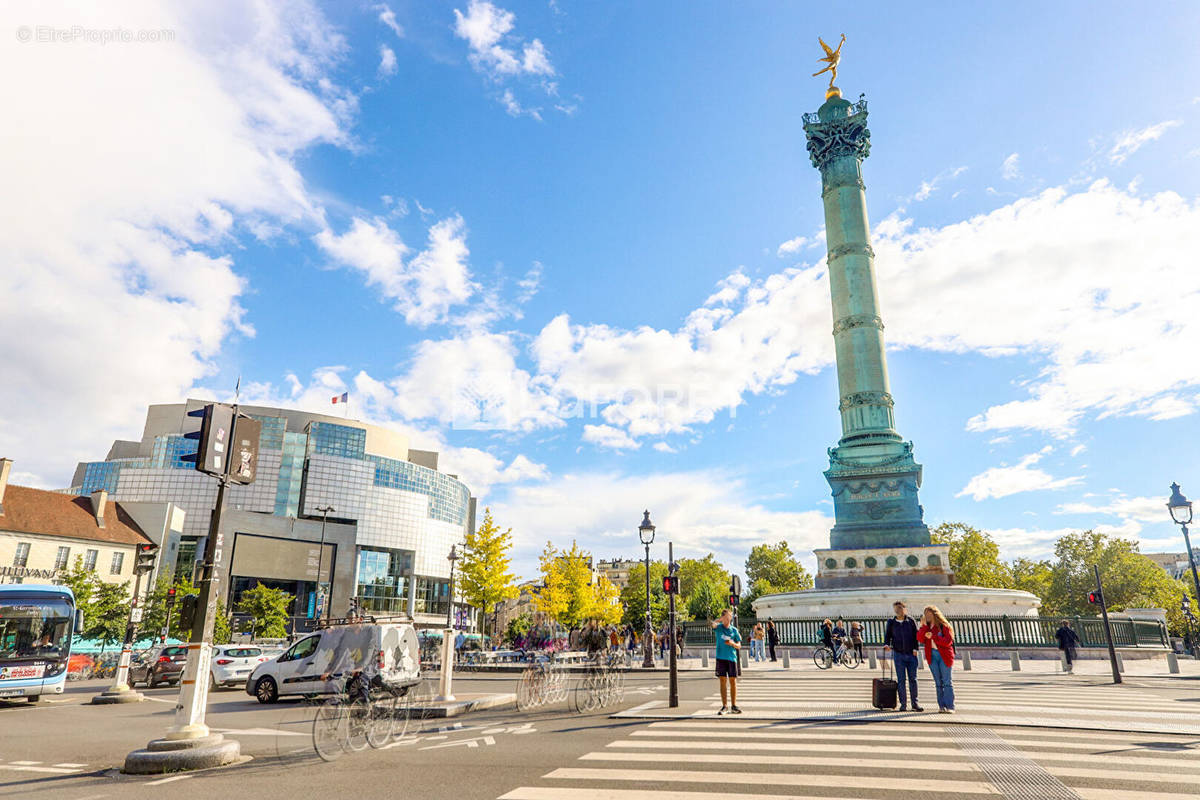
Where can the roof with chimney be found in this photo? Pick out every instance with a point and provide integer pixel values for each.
(27, 510)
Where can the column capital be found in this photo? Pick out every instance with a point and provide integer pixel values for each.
(837, 130)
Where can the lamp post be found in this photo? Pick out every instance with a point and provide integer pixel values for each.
(445, 688)
(450, 597)
(1181, 512)
(646, 534)
(1185, 605)
(322, 600)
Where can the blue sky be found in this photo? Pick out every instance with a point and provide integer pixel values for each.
(599, 220)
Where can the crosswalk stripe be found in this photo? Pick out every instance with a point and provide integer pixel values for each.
(767, 779)
(1087, 793)
(745, 746)
(861, 729)
(563, 793)
(799, 761)
(1074, 712)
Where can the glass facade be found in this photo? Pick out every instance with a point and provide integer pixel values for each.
(336, 440)
(383, 577)
(291, 474)
(432, 595)
(448, 499)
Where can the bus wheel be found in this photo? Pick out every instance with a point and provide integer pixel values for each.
(33, 698)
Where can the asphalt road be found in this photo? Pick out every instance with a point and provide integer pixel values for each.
(70, 750)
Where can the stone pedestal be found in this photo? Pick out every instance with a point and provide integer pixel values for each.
(175, 755)
(876, 601)
(918, 565)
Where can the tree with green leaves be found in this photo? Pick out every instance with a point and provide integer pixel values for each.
(267, 609)
(757, 590)
(695, 571)
(1130, 579)
(518, 628)
(106, 615)
(708, 600)
(633, 596)
(155, 615)
(222, 627)
(1032, 576)
(777, 568)
(81, 582)
(486, 577)
(974, 556)
(569, 595)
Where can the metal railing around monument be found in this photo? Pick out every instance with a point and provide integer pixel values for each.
(1010, 632)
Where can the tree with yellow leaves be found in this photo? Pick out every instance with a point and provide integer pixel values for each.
(486, 579)
(569, 595)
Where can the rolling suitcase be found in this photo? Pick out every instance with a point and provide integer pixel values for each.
(883, 688)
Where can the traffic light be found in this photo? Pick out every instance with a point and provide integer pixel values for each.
(1094, 598)
(146, 555)
(733, 600)
(171, 594)
(213, 439)
(671, 584)
(243, 460)
(187, 611)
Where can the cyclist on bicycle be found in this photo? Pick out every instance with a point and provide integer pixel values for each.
(839, 637)
(827, 637)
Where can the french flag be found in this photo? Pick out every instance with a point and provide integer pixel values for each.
(343, 398)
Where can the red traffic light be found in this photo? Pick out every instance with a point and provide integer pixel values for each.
(171, 592)
(733, 600)
(1094, 597)
(670, 584)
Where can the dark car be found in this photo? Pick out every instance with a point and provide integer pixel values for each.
(160, 665)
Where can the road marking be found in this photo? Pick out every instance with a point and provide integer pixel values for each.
(259, 732)
(814, 747)
(52, 770)
(644, 707)
(657, 776)
(70, 765)
(25, 763)
(168, 780)
(472, 742)
(799, 761)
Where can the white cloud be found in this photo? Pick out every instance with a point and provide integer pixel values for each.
(927, 188)
(485, 27)
(699, 511)
(1011, 169)
(423, 288)
(1023, 477)
(388, 18)
(791, 246)
(663, 447)
(1130, 141)
(118, 238)
(502, 56)
(387, 60)
(609, 437)
(1140, 509)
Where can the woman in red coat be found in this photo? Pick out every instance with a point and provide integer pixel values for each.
(938, 637)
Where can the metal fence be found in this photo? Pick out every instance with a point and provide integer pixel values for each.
(968, 631)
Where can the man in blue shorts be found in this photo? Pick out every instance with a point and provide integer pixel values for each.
(729, 642)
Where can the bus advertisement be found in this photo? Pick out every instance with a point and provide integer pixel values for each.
(36, 627)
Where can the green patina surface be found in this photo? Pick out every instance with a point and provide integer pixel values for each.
(872, 473)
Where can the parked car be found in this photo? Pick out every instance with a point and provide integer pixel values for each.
(321, 662)
(232, 663)
(158, 665)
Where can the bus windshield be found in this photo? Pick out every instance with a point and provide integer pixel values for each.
(35, 627)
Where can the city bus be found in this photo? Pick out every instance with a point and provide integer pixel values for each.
(36, 627)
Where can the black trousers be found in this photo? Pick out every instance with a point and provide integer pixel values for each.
(771, 650)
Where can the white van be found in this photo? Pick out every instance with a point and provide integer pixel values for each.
(321, 662)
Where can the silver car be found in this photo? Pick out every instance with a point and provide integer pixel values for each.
(232, 664)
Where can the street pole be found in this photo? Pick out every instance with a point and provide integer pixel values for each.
(1187, 542)
(322, 601)
(673, 682)
(648, 636)
(446, 681)
(1112, 652)
(121, 680)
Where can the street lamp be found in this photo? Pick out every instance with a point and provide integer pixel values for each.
(646, 534)
(323, 600)
(450, 598)
(1185, 605)
(1181, 512)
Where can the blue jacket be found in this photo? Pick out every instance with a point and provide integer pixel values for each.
(901, 636)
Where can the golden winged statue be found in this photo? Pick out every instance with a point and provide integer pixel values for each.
(832, 57)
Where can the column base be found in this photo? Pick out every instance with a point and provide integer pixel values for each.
(117, 694)
(177, 755)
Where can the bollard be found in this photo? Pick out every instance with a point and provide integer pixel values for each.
(1120, 664)
(967, 660)
(1172, 663)
(704, 658)
(1062, 660)
(1015, 659)
(787, 660)
(920, 659)
(874, 661)
(744, 658)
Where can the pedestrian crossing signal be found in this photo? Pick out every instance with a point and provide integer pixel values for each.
(1094, 598)
(671, 584)
(733, 600)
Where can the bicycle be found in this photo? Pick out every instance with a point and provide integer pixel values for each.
(825, 658)
(351, 720)
(542, 682)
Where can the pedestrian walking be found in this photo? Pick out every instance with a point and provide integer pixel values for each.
(772, 637)
(758, 642)
(827, 636)
(856, 639)
(1068, 640)
(937, 636)
(900, 637)
(728, 643)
